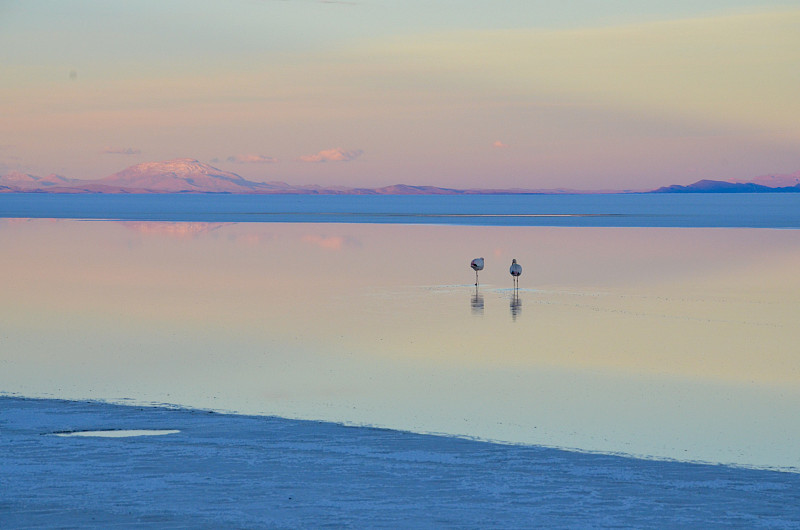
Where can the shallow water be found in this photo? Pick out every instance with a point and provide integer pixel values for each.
(668, 343)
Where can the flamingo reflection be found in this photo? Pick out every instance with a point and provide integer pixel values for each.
(515, 305)
(476, 302)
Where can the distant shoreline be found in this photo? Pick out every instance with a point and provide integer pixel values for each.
(700, 187)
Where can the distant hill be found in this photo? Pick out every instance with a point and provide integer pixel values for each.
(720, 186)
(186, 175)
(779, 183)
(15, 179)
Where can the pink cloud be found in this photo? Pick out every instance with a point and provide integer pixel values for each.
(252, 159)
(333, 155)
(500, 145)
(121, 151)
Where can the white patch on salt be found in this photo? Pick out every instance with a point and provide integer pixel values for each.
(118, 433)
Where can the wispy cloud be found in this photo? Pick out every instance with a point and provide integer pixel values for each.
(251, 159)
(500, 145)
(333, 155)
(639, 68)
(121, 151)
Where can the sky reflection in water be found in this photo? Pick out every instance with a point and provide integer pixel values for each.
(675, 343)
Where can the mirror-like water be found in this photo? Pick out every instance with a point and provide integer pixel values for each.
(672, 343)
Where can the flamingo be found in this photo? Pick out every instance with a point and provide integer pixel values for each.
(515, 270)
(477, 265)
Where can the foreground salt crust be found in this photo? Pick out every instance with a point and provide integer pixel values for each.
(244, 471)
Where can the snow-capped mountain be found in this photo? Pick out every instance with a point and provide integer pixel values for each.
(179, 175)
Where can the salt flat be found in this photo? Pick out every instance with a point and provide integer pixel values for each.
(674, 345)
(254, 471)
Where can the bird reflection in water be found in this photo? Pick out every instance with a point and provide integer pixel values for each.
(476, 302)
(515, 305)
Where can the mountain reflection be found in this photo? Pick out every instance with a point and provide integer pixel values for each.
(172, 229)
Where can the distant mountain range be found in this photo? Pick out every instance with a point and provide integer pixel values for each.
(185, 175)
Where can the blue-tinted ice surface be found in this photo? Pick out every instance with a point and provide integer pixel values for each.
(223, 471)
(750, 210)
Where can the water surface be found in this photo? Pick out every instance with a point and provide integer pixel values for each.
(662, 342)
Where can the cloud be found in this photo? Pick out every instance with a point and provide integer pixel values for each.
(500, 145)
(251, 159)
(333, 155)
(123, 151)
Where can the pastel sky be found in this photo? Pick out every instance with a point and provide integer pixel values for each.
(585, 94)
